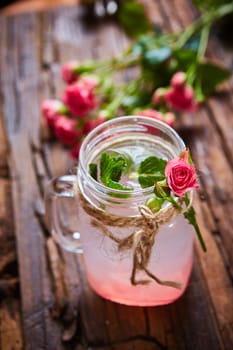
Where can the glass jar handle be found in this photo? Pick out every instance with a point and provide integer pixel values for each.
(61, 212)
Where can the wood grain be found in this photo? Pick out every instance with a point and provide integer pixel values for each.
(46, 301)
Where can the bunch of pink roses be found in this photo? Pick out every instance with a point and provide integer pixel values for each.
(84, 105)
(172, 74)
(72, 117)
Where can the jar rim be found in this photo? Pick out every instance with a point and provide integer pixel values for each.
(136, 119)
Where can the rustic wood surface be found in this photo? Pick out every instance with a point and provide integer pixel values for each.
(45, 301)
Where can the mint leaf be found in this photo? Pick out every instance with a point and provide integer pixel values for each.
(126, 157)
(152, 164)
(151, 170)
(93, 170)
(116, 186)
(148, 180)
(111, 169)
(190, 215)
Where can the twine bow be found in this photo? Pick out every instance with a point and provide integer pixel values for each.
(141, 241)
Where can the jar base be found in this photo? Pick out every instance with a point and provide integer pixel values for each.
(141, 303)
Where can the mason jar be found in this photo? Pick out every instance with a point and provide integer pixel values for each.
(122, 264)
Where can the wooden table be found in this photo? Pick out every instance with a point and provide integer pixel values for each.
(46, 302)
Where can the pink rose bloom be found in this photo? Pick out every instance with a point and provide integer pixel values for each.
(91, 81)
(66, 130)
(79, 98)
(181, 99)
(181, 175)
(152, 113)
(68, 72)
(158, 96)
(51, 110)
(178, 80)
(167, 118)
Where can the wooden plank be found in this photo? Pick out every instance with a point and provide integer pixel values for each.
(217, 278)
(53, 282)
(10, 326)
(95, 331)
(211, 160)
(22, 126)
(212, 144)
(175, 325)
(113, 323)
(9, 281)
(11, 336)
(3, 147)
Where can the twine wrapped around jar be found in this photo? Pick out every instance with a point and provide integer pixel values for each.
(141, 241)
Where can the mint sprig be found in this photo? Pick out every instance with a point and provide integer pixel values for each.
(150, 171)
(111, 169)
(93, 170)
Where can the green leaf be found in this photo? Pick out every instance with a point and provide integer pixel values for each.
(193, 43)
(209, 75)
(151, 165)
(148, 42)
(150, 171)
(111, 169)
(117, 186)
(148, 180)
(184, 58)
(209, 4)
(123, 155)
(131, 12)
(156, 56)
(190, 161)
(93, 170)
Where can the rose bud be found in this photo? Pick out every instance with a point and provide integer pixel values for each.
(181, 175)
(158, 96)
(79, 98)
(91, 81)
(66, 130)
(181, 99)
(178, 80)
(69, 72)
(161, 189)
(52, 109)
(155, 204)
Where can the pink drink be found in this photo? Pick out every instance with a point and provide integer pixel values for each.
(108, 271)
